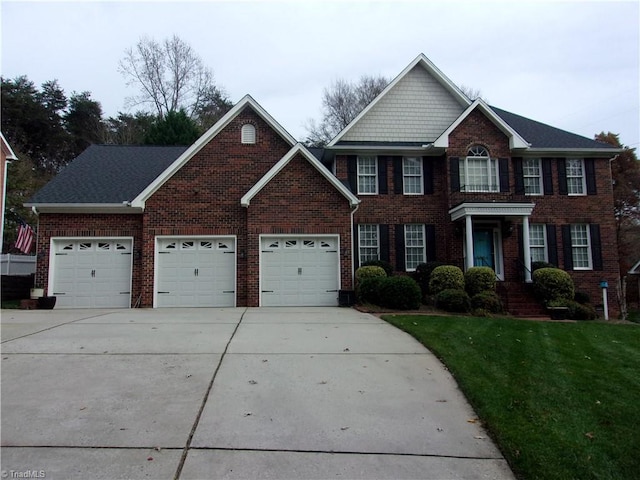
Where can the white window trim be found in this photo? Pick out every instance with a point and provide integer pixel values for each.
(406, 247)
(375, 175)
(361, 246)
(539, 176)
(544, 246)
(587, 246)
(405, 176)
(583, 177)
(494, 180)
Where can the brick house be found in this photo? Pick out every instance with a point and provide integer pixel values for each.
(248, 216)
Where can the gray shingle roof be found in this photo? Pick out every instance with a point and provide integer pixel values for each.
(540, 135)
(107, 174)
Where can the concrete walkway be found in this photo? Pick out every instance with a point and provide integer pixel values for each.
(240, 393)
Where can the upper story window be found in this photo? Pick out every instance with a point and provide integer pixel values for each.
(412, 176)
(478, 171)
(248, 134)
(532, 173)
(576, 181)
(368, 243)
(367, 175)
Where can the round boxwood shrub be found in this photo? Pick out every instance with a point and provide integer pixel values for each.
(369, 271)
(553, 283)
(446, 277)
(386, 266)
(401, 292)
(479, 279)
(453, 300)
(368, 290)
(539, 264)
(423, 274)
(487, 301)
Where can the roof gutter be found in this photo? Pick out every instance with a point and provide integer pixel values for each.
(119, 208)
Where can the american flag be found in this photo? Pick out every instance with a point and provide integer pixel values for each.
(25, 238)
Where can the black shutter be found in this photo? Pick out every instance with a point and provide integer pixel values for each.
(566, 247)
(552, 244)
(398, 187)
(562, 177)
(547, 177)
(590, 173)
(596, 246)
(454, 172)
(382, 176)
(427, 175)
(430, 233)
(352, 173)
(384, 242)
(519, 175)
(503, 173)
(356, 247)
(400, 248)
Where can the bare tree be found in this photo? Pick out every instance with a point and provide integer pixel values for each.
(472, 93)
(169, 76)
(341, 103)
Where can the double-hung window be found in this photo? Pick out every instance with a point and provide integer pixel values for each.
(478, 171)
(576, 181)
(532, 173)
(414, 241)
(581, 247)
(368, 243)
(538, 243)
(367, 175)
(412, 175)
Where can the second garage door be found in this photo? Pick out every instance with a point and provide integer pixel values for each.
(299, 271)
(196, 272)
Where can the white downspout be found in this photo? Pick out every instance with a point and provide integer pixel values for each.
(353, 248)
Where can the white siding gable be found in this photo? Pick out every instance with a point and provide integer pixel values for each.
(417, 109)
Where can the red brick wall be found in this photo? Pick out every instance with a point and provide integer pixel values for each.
(298, 200)
(88, 225)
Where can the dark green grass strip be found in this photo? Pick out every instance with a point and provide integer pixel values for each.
(562, 400)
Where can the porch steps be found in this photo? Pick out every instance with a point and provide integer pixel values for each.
(518, 300)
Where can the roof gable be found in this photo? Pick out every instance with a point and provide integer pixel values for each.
(6, 149)
(417, 106)
(515, 140)
(245, 201)
(246, 102)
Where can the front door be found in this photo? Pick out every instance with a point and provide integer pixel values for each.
(483, 248)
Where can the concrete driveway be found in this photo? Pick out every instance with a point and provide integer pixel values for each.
(230, 393)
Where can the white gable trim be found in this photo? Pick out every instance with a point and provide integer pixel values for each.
(284, 161)
(7, 148)
(247, 101)
(515, 140)
(423, 61)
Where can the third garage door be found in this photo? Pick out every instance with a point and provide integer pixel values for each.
(299, 271)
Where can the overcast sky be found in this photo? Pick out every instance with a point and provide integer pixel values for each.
(573, 65)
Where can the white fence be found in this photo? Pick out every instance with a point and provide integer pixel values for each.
(18, 264)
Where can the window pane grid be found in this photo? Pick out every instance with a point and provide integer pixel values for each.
(532, 176)
(414, 240)
(367, 175)
(580, 246)
(368, 242)
(575, 176)
(537, 243)
(412, 175)
(479, 174)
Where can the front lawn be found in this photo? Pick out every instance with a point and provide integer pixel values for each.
(561, 400)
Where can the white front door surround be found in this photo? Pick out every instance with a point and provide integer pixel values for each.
(479, 211)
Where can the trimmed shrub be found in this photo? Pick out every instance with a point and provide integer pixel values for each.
(446, 277)
(553, 283)
(423, 274)
(369, 272)
(487, 301)
(401, 292)
(577, 311)
(386, 266)
(368, 290)
(479, 279)
(453, 300)
(538, 265)
(582, 297)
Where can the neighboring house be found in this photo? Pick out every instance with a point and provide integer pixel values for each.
(6, 156)
(248, 216)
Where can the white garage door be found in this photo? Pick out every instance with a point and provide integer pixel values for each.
(299, 271)
(92, 273)
(196, 272)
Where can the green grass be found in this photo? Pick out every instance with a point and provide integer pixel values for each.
(561, 400)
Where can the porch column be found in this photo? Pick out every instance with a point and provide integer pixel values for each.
(526, 244)
(469, 241)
